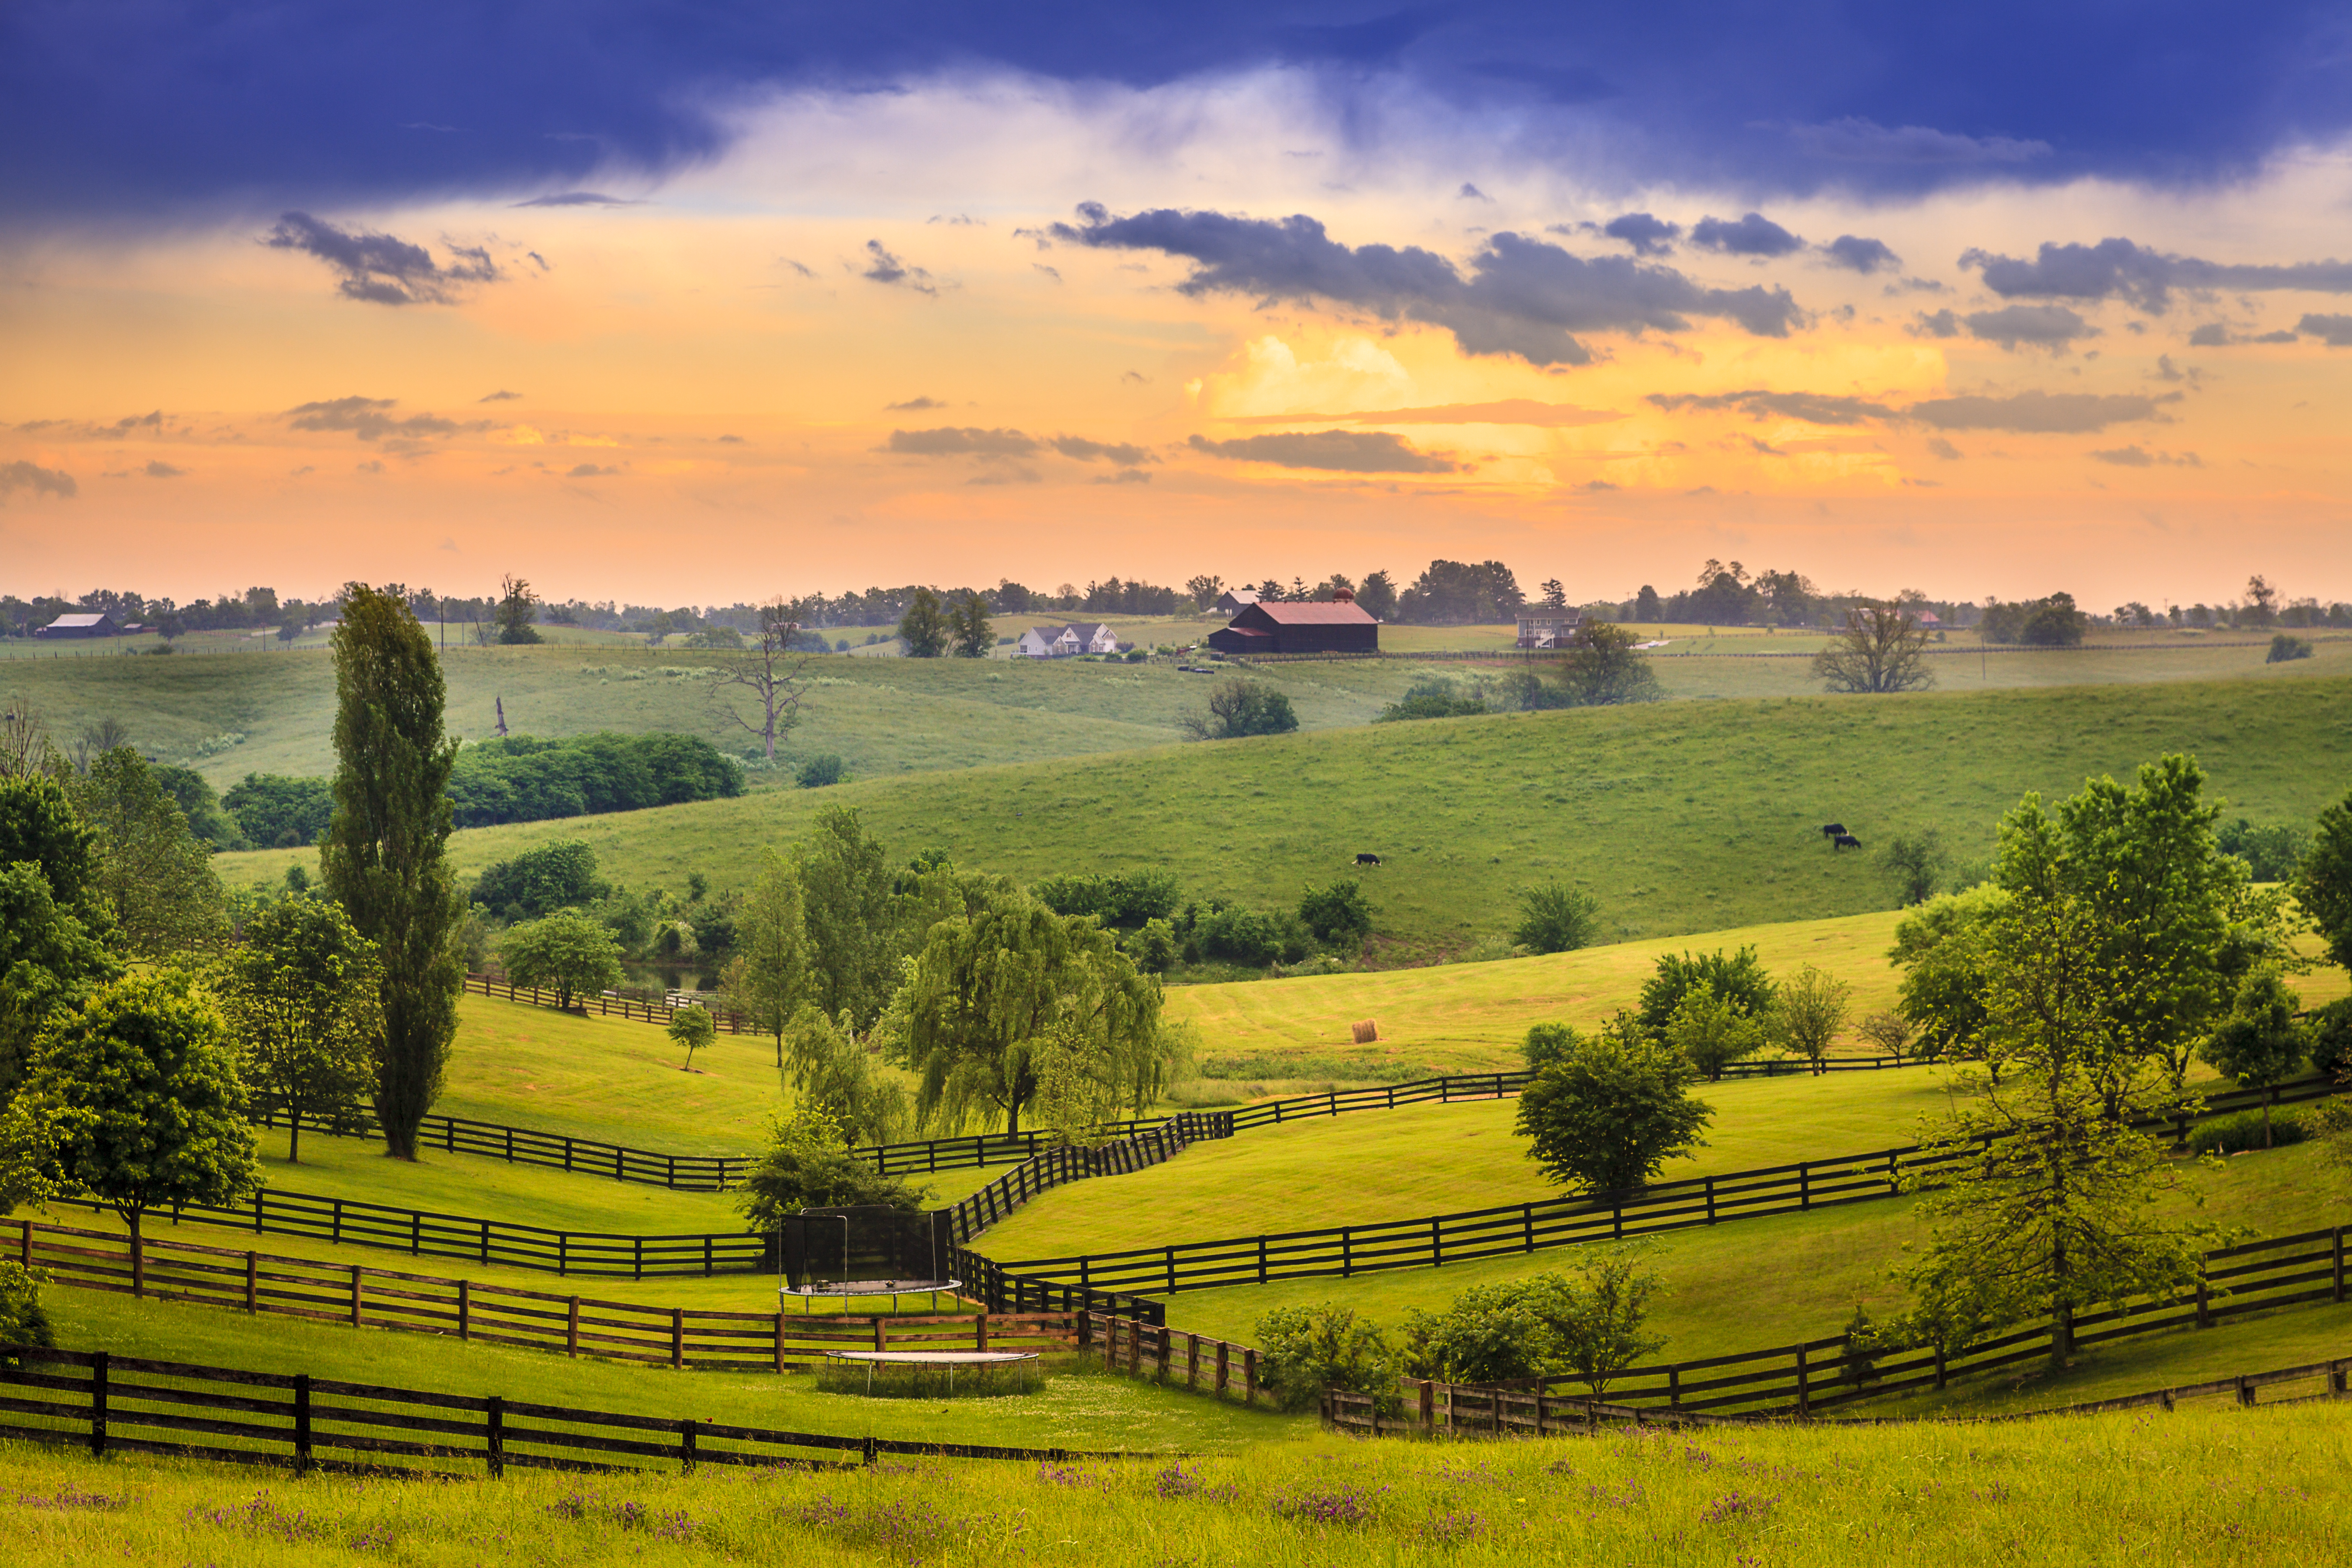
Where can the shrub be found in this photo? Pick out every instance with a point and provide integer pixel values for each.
(555, 876)
(807, 1165)
(2284, 647)
(2331, 1038)
(1557, 918)
(521, 778)
(1241, 708)
(1739, 979)
(1337, 916)
(1711, 1032)
(280, 813)
(1606, 1112)
(1303, 1350)
(821, 771)
(1154, 947)
(1121, 899)
(2243, 1132)
(1587, 1323)
(2271, 854)
(23, 1320)
(1432, 697)
(1247, 936)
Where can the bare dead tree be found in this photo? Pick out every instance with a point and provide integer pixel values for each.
(25, 744)
(768, 670)
(1881, 648)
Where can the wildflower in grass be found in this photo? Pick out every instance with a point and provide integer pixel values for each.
(1454, 1529)
(1177, 1481)
(1737, 1506)
(1315, 1505)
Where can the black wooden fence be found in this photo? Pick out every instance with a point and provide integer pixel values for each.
(719, 1173)
(116, 1403)
(1435, 1240)
(1826, 1375)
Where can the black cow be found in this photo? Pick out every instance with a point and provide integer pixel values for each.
(1844, 841)
(1832, 829)
(1368, 859)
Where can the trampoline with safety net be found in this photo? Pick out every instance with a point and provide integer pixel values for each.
(834, 1253)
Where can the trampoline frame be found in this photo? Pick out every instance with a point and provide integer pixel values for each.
(844, 1290)
(1026, 1362)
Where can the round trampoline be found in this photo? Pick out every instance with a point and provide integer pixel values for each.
(930, 1373)
(845, 1289)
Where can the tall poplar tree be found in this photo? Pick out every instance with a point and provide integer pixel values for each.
(382, 856)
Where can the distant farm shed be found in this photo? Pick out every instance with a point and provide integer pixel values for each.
(1233, 601)
(81, 627)
(1543, 626)
(1340, 627)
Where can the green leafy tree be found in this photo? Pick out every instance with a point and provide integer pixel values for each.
(2049, 1203)
(807, 1165)
(1880, 648)
(49, 962)
(925, 628)
(1606, 1112)
(1916, 863)
(1596, 1316)
(1338, 915)
(517, 607)
(1557, 918)
(39, 824)
(568, 953)
(846, 885)
(154, 875)
(691, 1029)
(987, 991)
(194, 795)
(1241, 708)
(1739, 979)
(383, 858)
(134, 1099)
(2173, 911)
(969, 628)
(23, 1321)
(1488, 1333)
(1940, 948)
(829, 1069)
(1808, 1013)
(1587, 1323)
(276, 812)
(1711, 1032)
(2323, 882)
(1602, 668)
(2260, 1043)
(560, 874)
(1305, 1351)
(768, 979)
(302, 995)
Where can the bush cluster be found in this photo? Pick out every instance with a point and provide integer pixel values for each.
(523, 779)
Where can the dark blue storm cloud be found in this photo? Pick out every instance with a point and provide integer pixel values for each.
(1521, 296)
(2120, 270)
(143, 110)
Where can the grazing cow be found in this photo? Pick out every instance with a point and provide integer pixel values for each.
(1844, 841)
(1368, 859)
(1832, 829)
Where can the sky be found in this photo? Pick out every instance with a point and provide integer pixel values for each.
(693, 306)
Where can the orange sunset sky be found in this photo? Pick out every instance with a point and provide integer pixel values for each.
(851, 346)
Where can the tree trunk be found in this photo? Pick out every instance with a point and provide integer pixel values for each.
(131, 1214)
(2266, 1120)
(294, 1132)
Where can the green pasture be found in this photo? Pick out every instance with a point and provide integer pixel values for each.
(1078, 1409)
(1682, 816)
(1375, 1165)
(1751, 1283)
(2205, 1487)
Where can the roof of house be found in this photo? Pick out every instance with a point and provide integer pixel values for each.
(75, 623)
(1302, 613)
(1241, 595)
(1549, 612)
(1083, 633)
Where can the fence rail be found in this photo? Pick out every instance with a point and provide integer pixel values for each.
(682, 1338)
(719, 1173)
(116, 1403)
(1804, 1379)
(1435, 1240)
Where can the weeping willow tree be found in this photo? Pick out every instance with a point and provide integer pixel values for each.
(1012, 1000)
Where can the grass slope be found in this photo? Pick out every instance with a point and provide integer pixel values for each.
(1682, 816)
(1757, 1282)
(2208, 1487)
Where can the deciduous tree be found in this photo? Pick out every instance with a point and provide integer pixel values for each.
(968, 627)
(1605, 1112)
(517, 607)
(924, 628)
(807, 1165)
(383, 857)
(568, 953)
(134, 1099)
(2323, 883)
(1808, 1013)
(1880, 648)
(1240, 708)
(691, 1029)
(303, 996)
(846, 887)
(49, 962)
(1557, 918)
(2260, 1043)
(768, 979)
(770, 673)
(154, 875)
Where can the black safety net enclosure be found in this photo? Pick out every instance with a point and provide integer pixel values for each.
(864, 1250)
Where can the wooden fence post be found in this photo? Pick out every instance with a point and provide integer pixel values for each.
(1939, 1365)
(355, 1295)
(26, 1256)
(2204, 1306)
(494, 1436)
(1166, 1345)
(1804, 1393)
(252, 1282)
(464, 1310)
(1249, 1375)
(780, 1342)
(571, 1331)
(1225, 1367)
(1428, 1405)
(2338, 1237)
(97, 1403)
(881, 1332)
(301, 1423)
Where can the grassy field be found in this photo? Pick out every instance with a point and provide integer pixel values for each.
(1682, 816)
(1759, 1282)
(2208, 1486)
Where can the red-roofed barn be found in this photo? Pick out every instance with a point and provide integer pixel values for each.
(1300, 627)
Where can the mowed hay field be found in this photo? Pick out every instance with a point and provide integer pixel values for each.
(1680, 816)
